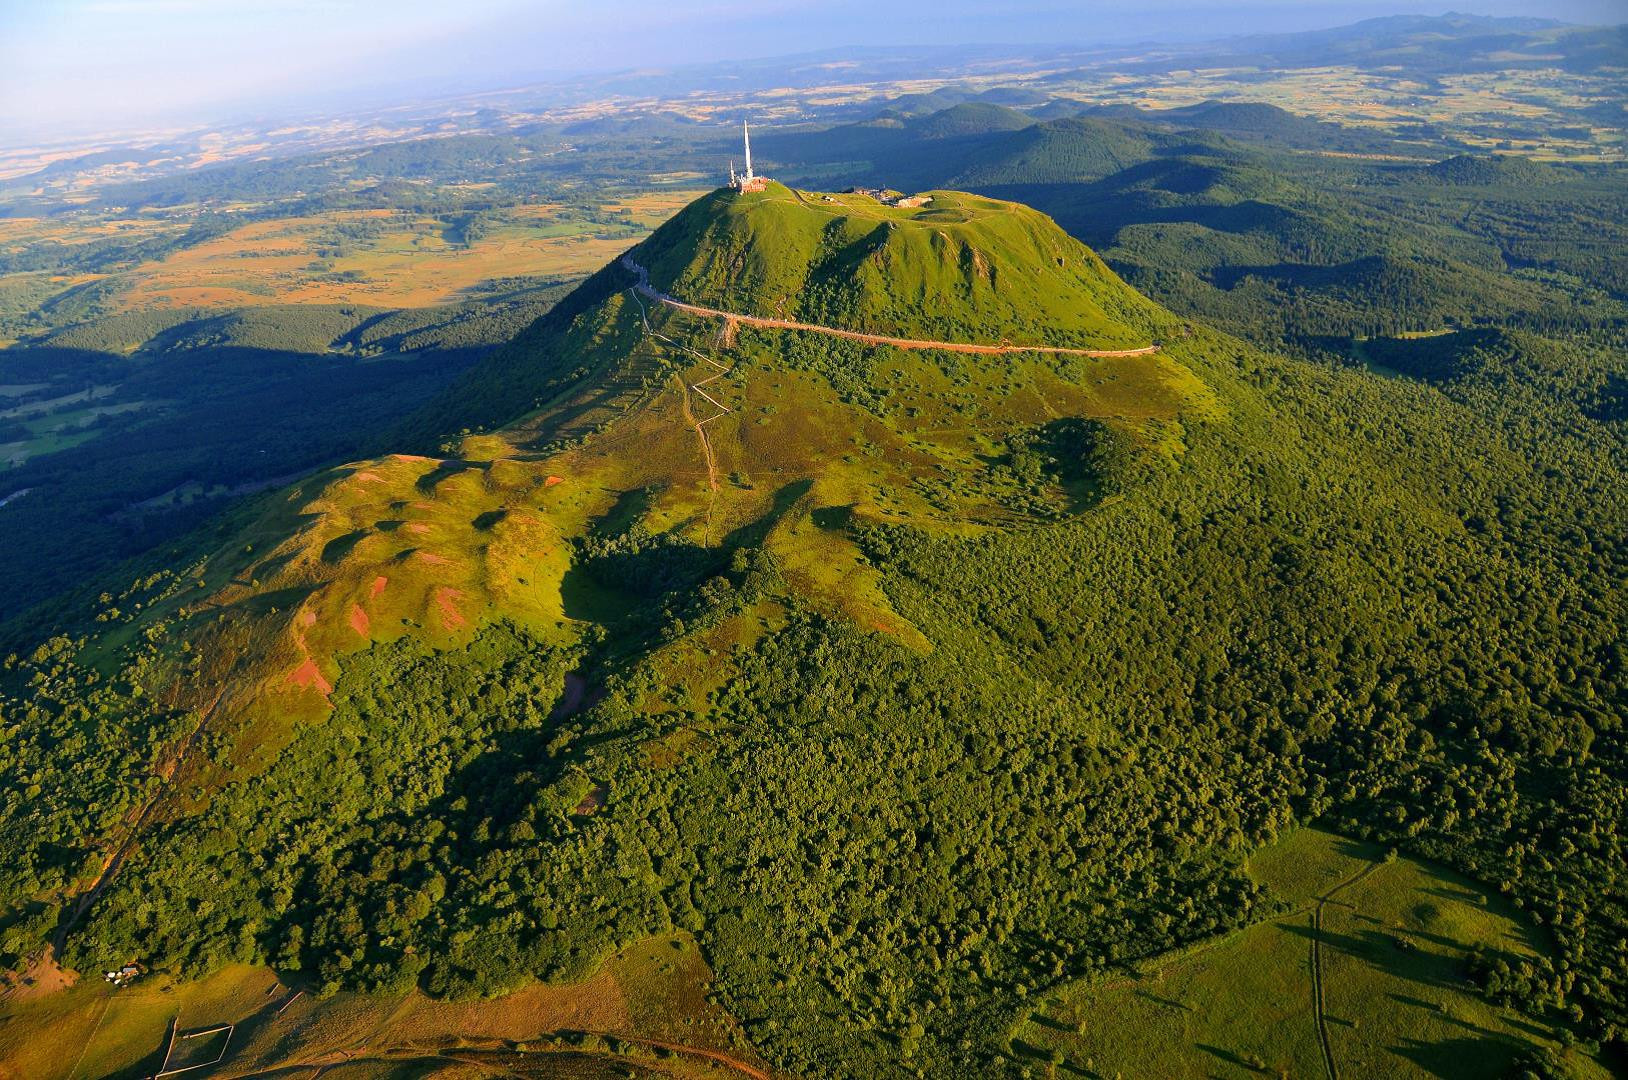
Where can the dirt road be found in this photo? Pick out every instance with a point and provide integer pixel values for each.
(647, 290)
(1318, 1011)
(492, 1057)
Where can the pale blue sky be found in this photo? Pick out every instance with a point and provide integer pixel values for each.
(100, 64)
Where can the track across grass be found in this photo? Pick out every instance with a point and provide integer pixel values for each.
(644, 288)
(1361, 972)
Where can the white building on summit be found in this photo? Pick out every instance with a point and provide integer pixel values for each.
(749, 181)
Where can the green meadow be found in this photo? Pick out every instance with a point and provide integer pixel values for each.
(1394, 938)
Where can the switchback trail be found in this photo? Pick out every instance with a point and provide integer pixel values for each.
(699, 425)
(644, 288)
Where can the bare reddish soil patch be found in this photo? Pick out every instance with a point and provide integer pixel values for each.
(446, 599)
(433, 559)
(370, 477)
(307, 618)
(552, 480)
(40, 977)
(308, 674)
(418, 527)
(359, 621)
(378, 586)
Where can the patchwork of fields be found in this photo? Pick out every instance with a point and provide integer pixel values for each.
(377, 258)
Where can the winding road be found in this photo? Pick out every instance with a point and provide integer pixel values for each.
(645, 289)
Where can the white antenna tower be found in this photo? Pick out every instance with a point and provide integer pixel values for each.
(746, 182)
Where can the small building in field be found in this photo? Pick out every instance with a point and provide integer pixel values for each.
(889, 197)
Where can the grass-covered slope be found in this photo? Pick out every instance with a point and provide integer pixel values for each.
(961, 268)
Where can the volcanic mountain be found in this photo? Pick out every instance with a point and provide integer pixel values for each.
(901, 680)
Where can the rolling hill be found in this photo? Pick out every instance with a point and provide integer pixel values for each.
(918, 689)
(1272, 225)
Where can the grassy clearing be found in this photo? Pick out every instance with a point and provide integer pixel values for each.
(196, 1048)
(119, 1033)
(48, 442)
(1396, 936)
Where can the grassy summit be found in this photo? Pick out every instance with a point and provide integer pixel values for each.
(961, 268)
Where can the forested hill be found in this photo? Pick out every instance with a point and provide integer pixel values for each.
(921, 687)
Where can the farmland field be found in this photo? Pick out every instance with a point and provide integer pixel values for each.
(385, 259)
(377, 258)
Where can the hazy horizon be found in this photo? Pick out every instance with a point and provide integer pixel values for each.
(121, 66)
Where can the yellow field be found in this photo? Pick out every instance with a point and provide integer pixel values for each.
(16, 232)
(408, 262)
(647, 1000)
(377, 258)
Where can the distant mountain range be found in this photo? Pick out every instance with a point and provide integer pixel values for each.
(1421, 47)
